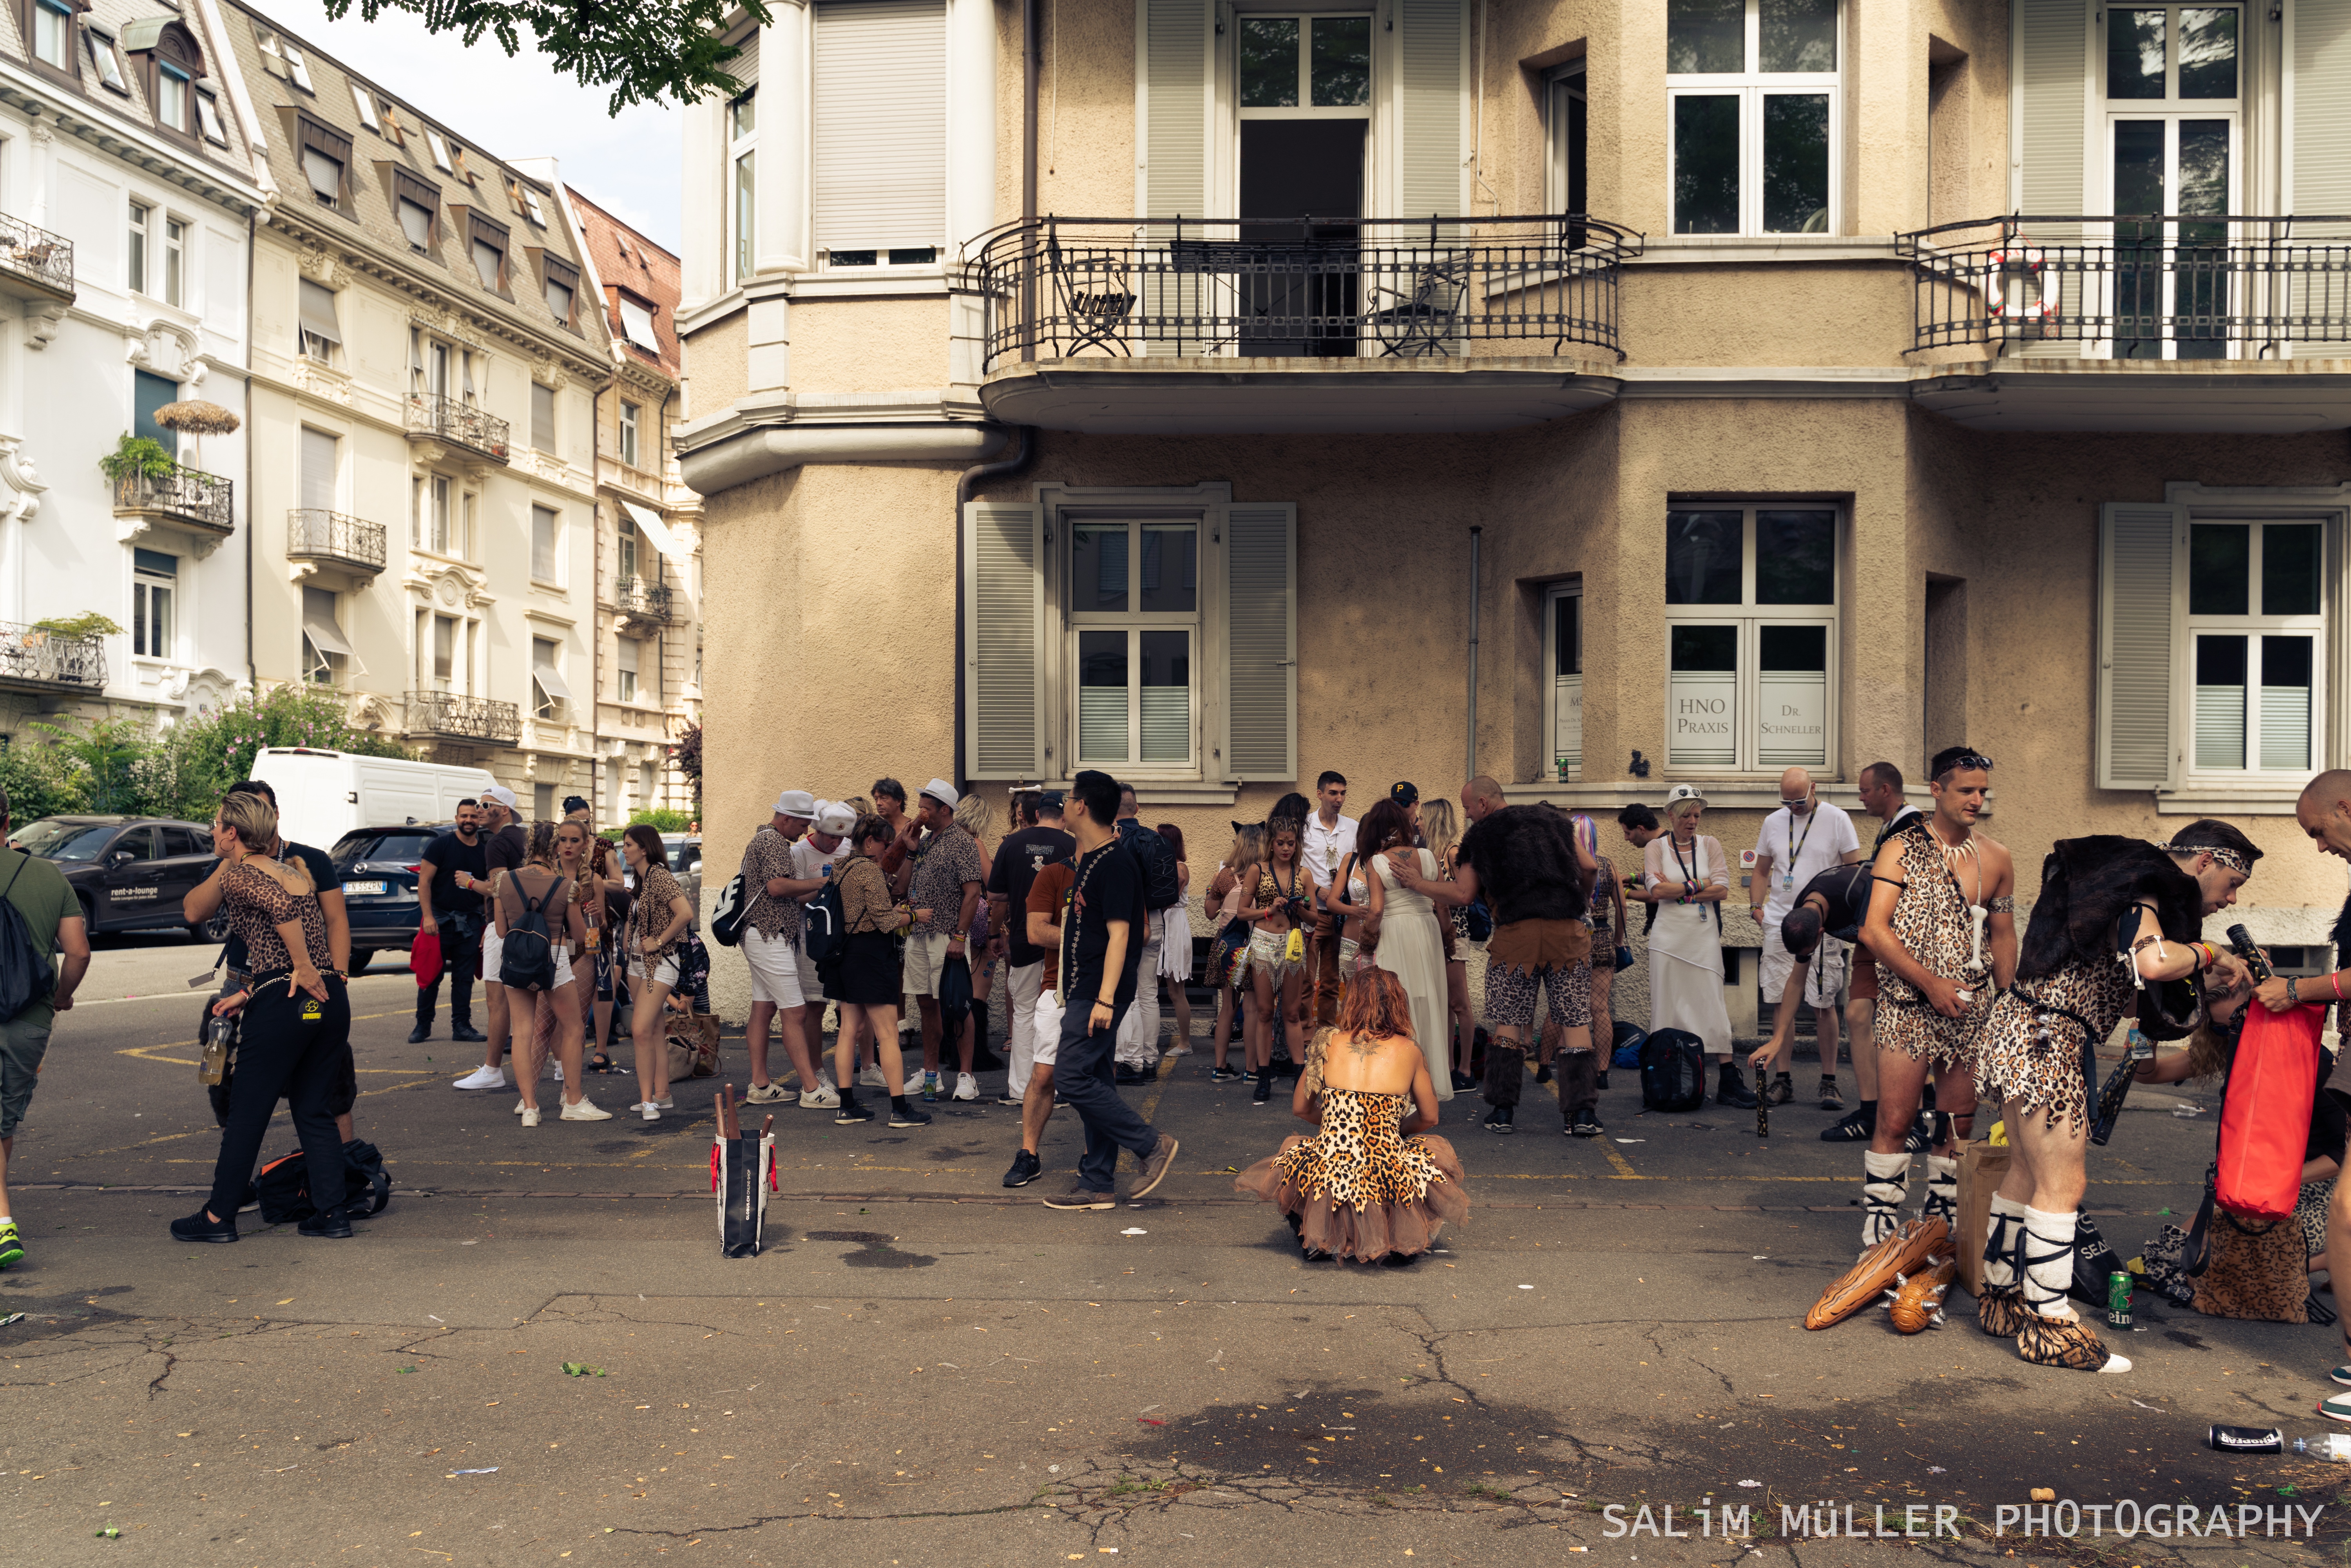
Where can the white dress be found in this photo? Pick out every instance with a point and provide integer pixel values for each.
(1686, 948)
(1412, 948)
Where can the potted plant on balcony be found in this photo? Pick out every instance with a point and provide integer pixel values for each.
(138, 457)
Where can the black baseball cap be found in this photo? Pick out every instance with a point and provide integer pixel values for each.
(1405, 793)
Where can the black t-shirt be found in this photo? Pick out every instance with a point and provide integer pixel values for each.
(448, 855)
(1525, 859)
(505, 849)
(1846, 887)
(322, 878)
(1019, 859)
(1108, 886)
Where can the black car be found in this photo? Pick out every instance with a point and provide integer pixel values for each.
(377, 866)
(130, 874)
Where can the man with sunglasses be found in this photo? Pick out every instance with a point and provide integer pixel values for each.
(1942, 926)
(1803, 838)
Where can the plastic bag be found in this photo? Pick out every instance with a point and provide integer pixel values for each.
(424, 957)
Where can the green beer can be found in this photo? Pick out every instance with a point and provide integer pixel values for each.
(2119, 1294)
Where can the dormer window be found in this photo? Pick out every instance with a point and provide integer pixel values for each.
(366, 106)
(171, 95)
(419, 207)
(561, 284)
(439, 147)
(208, 116)
(107, 64)
(530, 205)
(637, 324)
(327, 160)
(489, 252)
(168, 61)
(300, 71)
(53, 33)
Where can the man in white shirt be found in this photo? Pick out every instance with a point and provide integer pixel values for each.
(1801, 839)
(817, 854)
(1328, 840)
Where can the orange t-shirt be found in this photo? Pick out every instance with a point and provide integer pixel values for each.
(1046, 896)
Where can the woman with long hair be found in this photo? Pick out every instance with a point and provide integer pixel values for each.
(1441, 833)
(1175, 949)
(1685, 877)
(1402, 928)
(544, 880)
(1228, 954)
(1276, 902)
(1349, 899)
(296, 1018)
(656, 926)
(866, 980)
(613, 901)
(1371, 1185)
(974, 816)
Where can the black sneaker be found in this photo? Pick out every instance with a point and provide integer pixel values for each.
(1462, 1080)
(851, 1110)
(1783, 1088)
(466, 1032)
(1262, 1092)
(196, 1228)
(332, 1223)
(1132, 1075)
(908, 1116)
(1224, 1074)
(1543, 1073)
(1584, 1124)
(1857, 1127)
(1498, 1120)
(419, 1034)
(1025, 1168)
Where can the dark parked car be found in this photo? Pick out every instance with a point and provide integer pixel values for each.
(130, 872)
(377, 866)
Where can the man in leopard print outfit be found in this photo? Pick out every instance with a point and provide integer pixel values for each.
(2114, 916)
(1942, 928)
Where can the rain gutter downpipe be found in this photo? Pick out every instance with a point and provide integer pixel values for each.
(1031, 47)
(1023, 448)
(251, 669)
(1472, 761)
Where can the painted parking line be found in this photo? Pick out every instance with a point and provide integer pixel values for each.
(144, 1052)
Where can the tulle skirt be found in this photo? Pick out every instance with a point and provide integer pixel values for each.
(1175, 950)
(1398, 1222)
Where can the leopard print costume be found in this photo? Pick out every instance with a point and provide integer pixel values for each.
(1933, 923)
(1356, 1189)
(2030, 1055)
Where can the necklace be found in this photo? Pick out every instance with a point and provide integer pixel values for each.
(1965, 850)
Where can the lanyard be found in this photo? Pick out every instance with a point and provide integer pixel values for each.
(1796, 845)
(1689, 869)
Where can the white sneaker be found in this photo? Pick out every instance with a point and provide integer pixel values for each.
(482, 1078)
(872, 1077)
(530, 1116)
(823, 1098)
(558, 1072)
(966, 1087)
(764, 1094)
(585, 1110)
(913, 1083)
(650, 1112)
(520, 1107)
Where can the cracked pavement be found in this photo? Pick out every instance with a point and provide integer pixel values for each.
(922, 1368)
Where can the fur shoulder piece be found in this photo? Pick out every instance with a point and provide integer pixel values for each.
(2085, 885)
(1527, 847)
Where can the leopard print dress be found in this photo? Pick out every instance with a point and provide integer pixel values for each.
(1932, 920)
(2030, 1055)
(1356, 1189)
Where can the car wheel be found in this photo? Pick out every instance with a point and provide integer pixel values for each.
(89, 912)
(362, 959)
(213, 930)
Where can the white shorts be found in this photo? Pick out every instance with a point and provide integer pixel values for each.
(812, 989)
(926, 956)
(664, 972)
(1822, 980)
(494, 954)
(775, 968)
(1048, 1033)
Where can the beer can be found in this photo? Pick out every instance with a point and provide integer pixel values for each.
(2118, 1302)
(2245, 1440)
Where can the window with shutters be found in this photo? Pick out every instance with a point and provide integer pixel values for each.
(542, 417)
(325, 653)
(2255, 628)
(546, 535)
(879, 108)
(1752, 637)
(1563, 666)
(1752, 91)
(419, 204)
(1148, 632)
(626, 655)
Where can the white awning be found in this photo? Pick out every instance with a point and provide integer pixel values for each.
(550, 680)
(654, 529)
(637, 325)
(325, 635)
(318, 313)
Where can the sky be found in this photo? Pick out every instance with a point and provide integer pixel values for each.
(514, 109)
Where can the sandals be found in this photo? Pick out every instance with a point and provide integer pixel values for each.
(600, 1063)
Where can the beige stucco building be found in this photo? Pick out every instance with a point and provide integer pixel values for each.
(1793, 451)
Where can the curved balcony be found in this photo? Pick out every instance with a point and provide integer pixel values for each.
(190, 505)
(32, 659)
(448, 715)
(642, 603)
(35, 264)
(436, 416)
(330, 538)
(2152, 321)
(1298, 323)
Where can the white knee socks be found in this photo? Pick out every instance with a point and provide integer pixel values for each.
(1882, 1194)
(2048, 1263)
(1942, 1190)
(2001, 1240)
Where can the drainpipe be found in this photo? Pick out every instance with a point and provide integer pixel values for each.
(1030, 34)
(1023, 448)
(1472, 761)
(252, 669)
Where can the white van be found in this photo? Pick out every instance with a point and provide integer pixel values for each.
(322, 795)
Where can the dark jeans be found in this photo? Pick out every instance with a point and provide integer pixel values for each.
(283, 1055)
(1084, 1079)
(461, 960)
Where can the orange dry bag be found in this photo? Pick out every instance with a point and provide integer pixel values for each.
(2265, 1118)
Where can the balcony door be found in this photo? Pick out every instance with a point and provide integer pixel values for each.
(2173, 156)
(1305, 106)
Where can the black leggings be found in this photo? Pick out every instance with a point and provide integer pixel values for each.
(281, 1054)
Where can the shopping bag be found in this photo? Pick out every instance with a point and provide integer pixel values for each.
(1982, 1168)
(424, 957)
(742, 1173)
(2265, 1116)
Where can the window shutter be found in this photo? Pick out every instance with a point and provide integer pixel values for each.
(2142, 579)
(2318, 123)
(1175, 130)
(881, 79)
(2052, 119)
(745, 66)
(1434, 86)
(1004, 609)
(1261, 643)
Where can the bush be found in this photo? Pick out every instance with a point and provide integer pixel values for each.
(41, 782)
(89, 623)
(661, 819)
(140, 455)
(224, 744)
(688, 753)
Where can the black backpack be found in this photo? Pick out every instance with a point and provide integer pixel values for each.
(727, 915)
(820, 925)
(25, 974)
(1156, 857)
(527, 958)
(283, 1185)
(1673, 1070)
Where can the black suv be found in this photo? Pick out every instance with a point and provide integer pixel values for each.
(377, 866)
(130, 874)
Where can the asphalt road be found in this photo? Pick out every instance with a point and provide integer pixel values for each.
(925, 1368)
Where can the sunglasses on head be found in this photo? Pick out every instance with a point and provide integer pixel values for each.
(1971, 761)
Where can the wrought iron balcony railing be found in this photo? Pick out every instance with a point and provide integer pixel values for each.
(27, 654)
(315, 535)
(1315, 287)
(643, 599)
(186, 494)
(468, 719)
(437, 416)
(2134, 288)
(36, 255)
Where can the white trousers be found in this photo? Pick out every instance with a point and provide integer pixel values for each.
(1138, 1036)
(1020, 1029)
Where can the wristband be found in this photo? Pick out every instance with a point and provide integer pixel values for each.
(2293, 993)
(2336, 981)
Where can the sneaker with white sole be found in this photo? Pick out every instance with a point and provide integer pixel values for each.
(822, 1098)
(650, 1113)
(558, 1072)
(520, 1106)
(585, 1110)
(530, 1115)
(764, 1094)
(2337, 1408)
(2341, 1374)
(967, 1086)
(482, 1078)
(872, 1078)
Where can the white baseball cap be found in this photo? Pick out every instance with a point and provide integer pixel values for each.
(501, 794)
(835, 820)
(796, 803)
(940, 790)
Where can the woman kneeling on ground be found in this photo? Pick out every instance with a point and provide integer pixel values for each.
(1365, 1189)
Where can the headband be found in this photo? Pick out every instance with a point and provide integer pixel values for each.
(2234, 860)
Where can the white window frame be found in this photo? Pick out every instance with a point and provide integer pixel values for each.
(544, 706)
(1747, 750)
(208, 117)
(741, 191)
(1563, 751)
(628, 434)
(1564, 83)
(153, 597)
(435, 513)
(106, 60)
(173, 87)
(1133, 623)
(2253, 626)
(365, 104)
(57, 18)
(295, 67)
(141, 227)
(626, 652)
(175, 261)
(1751, 87)
(553, 576)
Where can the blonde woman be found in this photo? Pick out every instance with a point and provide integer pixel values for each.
(1685, 875)
(540, 881)
(1441, 833)
(1228, 956)
(657, 925)
(1276, 901)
